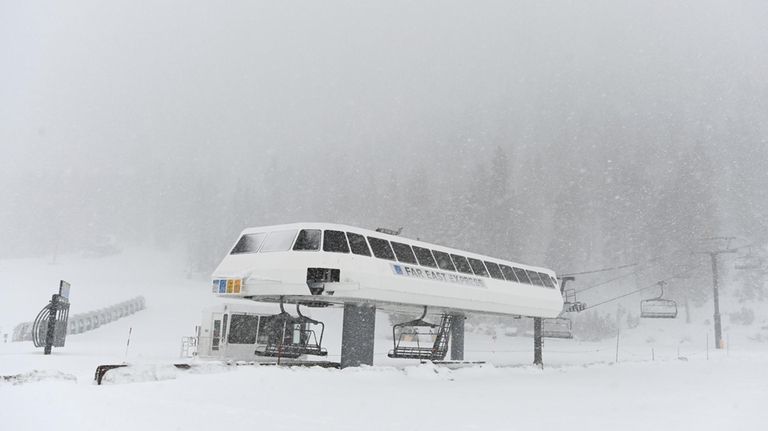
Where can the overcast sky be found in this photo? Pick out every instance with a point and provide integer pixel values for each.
(210, 89)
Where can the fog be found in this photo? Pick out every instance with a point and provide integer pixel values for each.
(563, 133)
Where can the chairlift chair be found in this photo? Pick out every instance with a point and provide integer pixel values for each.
(419, 339)
(570, 303)
(658, 307)
(559, 327)
(749, 261)
(291, 337)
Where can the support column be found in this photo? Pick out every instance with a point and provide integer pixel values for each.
(50, 333)
(716, 297)
(457, 337)
(357, 335)
(537, 356)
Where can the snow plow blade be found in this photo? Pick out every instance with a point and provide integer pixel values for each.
(101, 370)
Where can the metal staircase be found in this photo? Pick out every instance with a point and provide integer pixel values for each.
(405, 349)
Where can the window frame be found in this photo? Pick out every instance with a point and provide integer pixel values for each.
(489, 265)
(343, 236)
(409, 252)
(437, 260)
(482, 268)
(373, 249)
(364, 242)
(319, 243)
(546, 280)
(531, 274)
(455, 257)
(432, 257)
(511, 270)
(236, 316)
(243, 236)
(519, 271)
(290, 245)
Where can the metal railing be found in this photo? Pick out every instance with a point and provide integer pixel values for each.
(84, 322)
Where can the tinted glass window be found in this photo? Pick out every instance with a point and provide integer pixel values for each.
(554, 280)
(443, 260)
(249, 243)
(522, 275)
(547, 281)
(535, 278)
(508, 272)
(461, 264)
(242, 329)
(381, 248)
(278, 241)
(263, 336)
(335, 241)
(477, 267)
(494, 270)
(403, 252)
(424, 256)
(308, 239)
(358, 245)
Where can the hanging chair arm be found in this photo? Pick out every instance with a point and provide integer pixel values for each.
(307, 319)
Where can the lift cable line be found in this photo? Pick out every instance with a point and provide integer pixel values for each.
(624, 266)
(611, 280)
(654, 285)
(595, 271)
(645, 265)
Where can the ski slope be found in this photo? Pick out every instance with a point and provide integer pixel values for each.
(581, 386)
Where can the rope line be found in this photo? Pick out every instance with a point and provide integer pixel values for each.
(645, 288)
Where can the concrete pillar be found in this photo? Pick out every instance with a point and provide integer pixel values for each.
(457, 337)
(537, 354)
(357, 335)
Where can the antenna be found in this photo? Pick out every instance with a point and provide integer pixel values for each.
(389, 231)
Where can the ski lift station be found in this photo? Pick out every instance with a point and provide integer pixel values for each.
(239, 331)
(319, 265)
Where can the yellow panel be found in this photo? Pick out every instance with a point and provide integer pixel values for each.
(230, 285)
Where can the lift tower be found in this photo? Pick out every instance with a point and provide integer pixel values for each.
(570, 304)
(715, 286)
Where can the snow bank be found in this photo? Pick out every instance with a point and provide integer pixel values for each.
(580, 388)
(36, 376)
(154, 373)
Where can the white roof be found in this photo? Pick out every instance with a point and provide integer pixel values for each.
(368, 232)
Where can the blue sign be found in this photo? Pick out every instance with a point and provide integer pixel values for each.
(222, 286)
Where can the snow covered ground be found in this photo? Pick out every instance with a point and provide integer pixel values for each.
(580, 388)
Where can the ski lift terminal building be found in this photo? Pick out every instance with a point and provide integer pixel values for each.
(323, 264)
